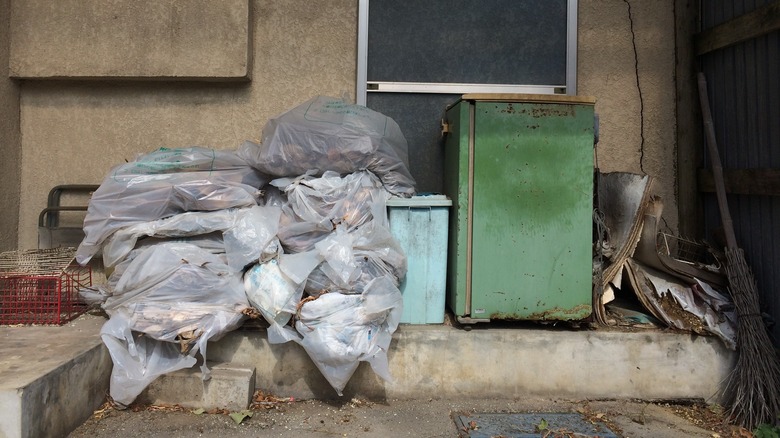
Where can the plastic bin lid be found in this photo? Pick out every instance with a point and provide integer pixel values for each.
(420, 201)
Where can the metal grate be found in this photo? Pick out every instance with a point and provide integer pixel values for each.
(41, 286)
(529, 425)
(688, 251)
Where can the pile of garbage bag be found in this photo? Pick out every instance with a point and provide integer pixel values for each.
(294, 229)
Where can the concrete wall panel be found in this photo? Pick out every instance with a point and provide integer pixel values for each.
(131, 39)
(10, 140)
(76, 131)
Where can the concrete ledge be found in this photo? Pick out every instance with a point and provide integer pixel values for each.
(127, 39)
(230, 387)
(51, 378)
(503, 362)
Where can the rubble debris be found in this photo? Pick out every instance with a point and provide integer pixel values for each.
(261, 400)
(622, 198)
(653, 249)
(681, 294)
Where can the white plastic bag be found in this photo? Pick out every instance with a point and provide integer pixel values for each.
(316, 206)
(276, 286)
(353, 259)
(339, 264)
(173, 284)
(138, 360)
(339, 331)
(174, 293)
(246, 232)
(326, 133)
(253, 236)
(211, 243)
(164, 183)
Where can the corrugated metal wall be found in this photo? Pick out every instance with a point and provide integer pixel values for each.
(744, 91)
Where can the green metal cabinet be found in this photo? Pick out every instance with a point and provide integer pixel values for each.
(519, 170)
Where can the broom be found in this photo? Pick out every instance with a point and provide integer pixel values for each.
(753, 388)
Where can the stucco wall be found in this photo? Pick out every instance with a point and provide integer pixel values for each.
(171, 39)
(635, 88)
(10, 142)
(73, 132)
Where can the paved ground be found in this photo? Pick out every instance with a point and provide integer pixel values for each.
(400, 418)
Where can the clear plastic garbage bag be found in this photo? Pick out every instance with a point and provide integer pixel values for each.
(138, 360)
(326, 133)
(164, 183)
(276, 286)
(175, 293)
(339, 331)
(314, 207)
(246, 233)
(353, 259)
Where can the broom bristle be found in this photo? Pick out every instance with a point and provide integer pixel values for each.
(753, 389)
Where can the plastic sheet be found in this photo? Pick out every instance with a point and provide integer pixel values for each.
(175, 293)
(252, 237)
(340, 262)
(338, 331)
(94, 296)
(326, 133)
(164, 183)
(315, 206)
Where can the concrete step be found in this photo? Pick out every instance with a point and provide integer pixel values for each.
(51, 377)
(230, 387)
(489, 361)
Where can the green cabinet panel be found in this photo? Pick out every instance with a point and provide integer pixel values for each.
(519, 170)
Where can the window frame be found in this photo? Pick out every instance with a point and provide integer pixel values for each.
(364, 86)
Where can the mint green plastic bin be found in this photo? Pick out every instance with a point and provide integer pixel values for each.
(420, 225)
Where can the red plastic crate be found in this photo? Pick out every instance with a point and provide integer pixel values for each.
(41, 286)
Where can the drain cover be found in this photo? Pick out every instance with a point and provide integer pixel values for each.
(526, 426)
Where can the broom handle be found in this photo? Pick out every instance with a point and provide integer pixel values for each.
(717, 169)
